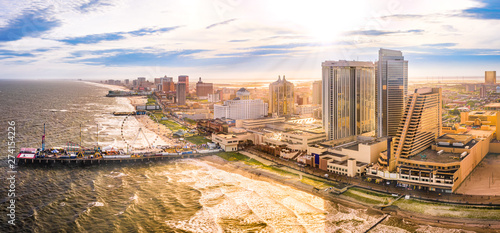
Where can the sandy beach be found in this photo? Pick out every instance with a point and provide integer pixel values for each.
(438, 223)
(159, 129)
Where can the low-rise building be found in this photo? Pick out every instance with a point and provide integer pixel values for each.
(363, 149)
(295, 140)
(258, 123)
(239, 109)
(442, 168)
(479, 118)
(341, 164)
(230, 142)
(212, 126)
(306, 110)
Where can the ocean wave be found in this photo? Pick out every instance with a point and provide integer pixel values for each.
(116, 174)
(96, 204)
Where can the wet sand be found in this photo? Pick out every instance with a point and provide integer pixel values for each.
(478, 225)
(161, 130)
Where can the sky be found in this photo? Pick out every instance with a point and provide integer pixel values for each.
(236, 40)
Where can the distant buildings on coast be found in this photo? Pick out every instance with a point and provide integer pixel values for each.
(358, 120)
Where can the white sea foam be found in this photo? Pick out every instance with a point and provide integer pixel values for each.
(116, 174)
(96, 203)
(236, 202)
(134, 198)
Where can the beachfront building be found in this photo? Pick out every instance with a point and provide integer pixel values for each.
(181, 94)
(241, 107)
(204, 89)
(420, 125)
(259, 123)
(422, 158)
(350, 159)
(442, 167)
(231, 142)
(348, 98)
(168, 86)
(391, 90)
(184, 79)
(359, 148)
(281, 97)
(295, 140)
(340, 164)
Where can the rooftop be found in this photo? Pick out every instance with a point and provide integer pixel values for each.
(483, 113)
(327, 157)
(344, 163)
(333, 154)
(464, 138)
(344, 63)
(429, 155)
(492, 105)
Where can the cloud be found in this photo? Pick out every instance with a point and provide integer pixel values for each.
(283, 46)
(92, 39)
(490, 10)
(147, 31)
(93, 5)
(441, 45)
(259, 52)
(220, 23)
(125, 57)
(380, 32)
(96, 38)
(402, 16)
(31, 23)
(238, 40)
(10, 54)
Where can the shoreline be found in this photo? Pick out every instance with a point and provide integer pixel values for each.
(251, 172)
(159, 130)
(478, 225)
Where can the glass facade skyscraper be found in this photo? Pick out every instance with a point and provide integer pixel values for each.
(391, 91)
(281, 97)
(348, 98)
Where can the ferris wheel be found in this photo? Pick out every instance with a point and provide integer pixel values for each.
(140, 131)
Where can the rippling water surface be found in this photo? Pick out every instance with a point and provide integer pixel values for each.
(175, 196)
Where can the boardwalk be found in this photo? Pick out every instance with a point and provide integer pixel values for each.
(89, 161)
(486, 200)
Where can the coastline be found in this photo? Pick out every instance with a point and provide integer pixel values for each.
(478, 225)
(158, 130)
(249, 171)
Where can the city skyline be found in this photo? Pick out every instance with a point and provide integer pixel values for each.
(221, 40)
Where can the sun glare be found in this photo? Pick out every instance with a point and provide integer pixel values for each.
(323, 21)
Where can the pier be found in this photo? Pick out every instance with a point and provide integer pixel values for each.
(93, 161)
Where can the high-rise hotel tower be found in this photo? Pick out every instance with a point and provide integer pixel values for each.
(391, 91)
(348, 98)
(281, 97)
(421, 123)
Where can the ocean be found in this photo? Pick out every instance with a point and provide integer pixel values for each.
(176, 196)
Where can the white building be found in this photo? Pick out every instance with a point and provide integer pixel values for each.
(305, 110)
(241, 109)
